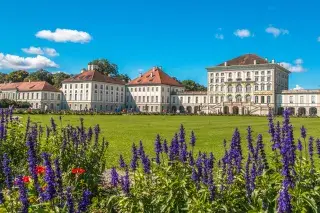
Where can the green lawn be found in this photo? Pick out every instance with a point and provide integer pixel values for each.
(122, 131)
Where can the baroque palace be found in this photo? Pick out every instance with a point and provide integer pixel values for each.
(247, 84)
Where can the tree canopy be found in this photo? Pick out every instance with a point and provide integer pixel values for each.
(40, 75)
(3, 77)
(191, 85)
(105, 67)
(58, 78)
(17, 76)
(108, 68)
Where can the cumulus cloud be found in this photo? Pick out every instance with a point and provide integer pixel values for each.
(16, 62)
(41, 51)
(242, 33)
(297, 65)
(219, 36)
(65, 35)
(298, 87)
(276, 31)
(33, 50)
(50, 52)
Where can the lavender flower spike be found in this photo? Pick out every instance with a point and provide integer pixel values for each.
(114, 177)
(85, 201)
(50, 191)
(23, 195)
(7, 170)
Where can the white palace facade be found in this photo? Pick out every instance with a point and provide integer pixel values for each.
(247, 84)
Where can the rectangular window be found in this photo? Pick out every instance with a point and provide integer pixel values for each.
(167, 99)
(147, 99)
(197, 100)
(313, 99)
(262, 99)
(189, 100)
(173, 99)
(291, 99)
(162, 98)
(139, 98)
(181, 100)
(152, 98)
(156, 97)
(211, 99)
(301, 99)
(204, 99)
(143, 99)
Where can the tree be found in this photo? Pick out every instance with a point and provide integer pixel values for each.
(58, 78)
(3, 77)
(17, 76)
(40, 75)
(124, 77)
(105, 67)
(191, 85)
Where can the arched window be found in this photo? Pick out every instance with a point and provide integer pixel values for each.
(222, 88)
(262, 87)
(269, 87)
(230, 98)
(238, 99)
(248, 98)
(229, 88)
(248, 88)
(256, 87)
(230, 74)
(248, 74)
(239, 74)
(239, 88)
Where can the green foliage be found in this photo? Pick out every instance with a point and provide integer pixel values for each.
(17, 76)
(105, 67)
(40, 75)
(3, 77)
(124, 77)
(5, 103)
(191, 85)
(58, 78)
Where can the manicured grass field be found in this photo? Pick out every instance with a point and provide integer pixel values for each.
(121, 131)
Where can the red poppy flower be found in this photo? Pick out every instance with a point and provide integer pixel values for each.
(78, 171)
(26, 179)
(40, 169)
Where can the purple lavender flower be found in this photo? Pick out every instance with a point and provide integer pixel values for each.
(32, 160)
(125, 183)
(181, 135)
(7, 170)
(183, 153)
(146, 164)
(284, 200)
(260, 150)
(53, 125)
(253, 177)
(49, 177)
(70, 204)
(271, 125)
(114, 177)
(277, 138)
(249, 139)
(141, 152)
(299, 145)
(212, 190)
(85, 201)
(121, 162)
(89, 135)
(158, 161)
(191, 159)
(23, 195)
(165, 146)
(194, 176)
(248, 177)
(58, 176)
(134, 160)
(235, 153)
(3, 132)
(318, 146)
(192, 139)
(311, 153)
(303, 132)
(174, 148)
(157, 145)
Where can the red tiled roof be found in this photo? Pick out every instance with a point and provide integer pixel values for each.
(155, 76)
(93, 75)
(29, 86)
(246, 59)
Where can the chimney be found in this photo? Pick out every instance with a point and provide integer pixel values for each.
(254, 62)
(272, 61)
(225, 64)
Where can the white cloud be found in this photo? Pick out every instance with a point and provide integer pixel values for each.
(297, 66)
(219, 36)
(16, 62)
(41, 51)
(33, 50)
(50, 52)
(242, 33)
(65, 35)
(298, 87)
(276, 31)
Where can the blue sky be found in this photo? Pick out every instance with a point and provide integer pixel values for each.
(183, 37)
